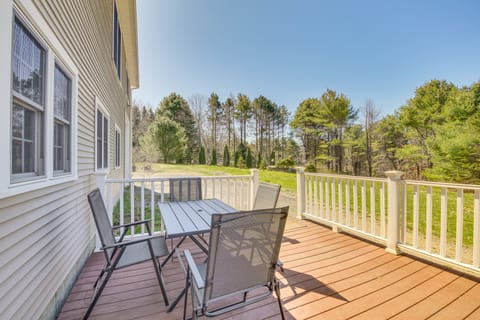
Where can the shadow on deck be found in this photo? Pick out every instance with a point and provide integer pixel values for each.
(327, 276)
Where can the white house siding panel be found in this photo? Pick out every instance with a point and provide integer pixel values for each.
(45, 234)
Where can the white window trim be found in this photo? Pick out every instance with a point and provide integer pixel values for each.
(119, 131)
(99, 106)
(40, 29)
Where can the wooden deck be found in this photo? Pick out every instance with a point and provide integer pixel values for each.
(327, 276)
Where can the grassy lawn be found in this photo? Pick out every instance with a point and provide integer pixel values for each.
(287, 180)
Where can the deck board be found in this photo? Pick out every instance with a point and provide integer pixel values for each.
(327, 276)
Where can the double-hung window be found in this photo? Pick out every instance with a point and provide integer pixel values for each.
(28, 105)
(102, 139)
(117, 42)
(62, 122)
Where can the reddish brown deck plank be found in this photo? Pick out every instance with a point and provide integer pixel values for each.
(327, 276)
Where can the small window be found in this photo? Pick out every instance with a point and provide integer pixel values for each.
(62, 122)
(28, 103)
(102, 140)
(117, 148)
(117, 42)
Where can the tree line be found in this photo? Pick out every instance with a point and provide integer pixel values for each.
(434, 136)
(238, 131)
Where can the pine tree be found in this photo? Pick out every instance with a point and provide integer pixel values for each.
(249, 159)
(214, 157)
(226, 156)
(201, 156)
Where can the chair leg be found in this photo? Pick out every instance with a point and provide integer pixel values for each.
(187, 283)
(97, 293)
(279, 300)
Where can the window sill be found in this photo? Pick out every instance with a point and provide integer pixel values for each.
(24, 187)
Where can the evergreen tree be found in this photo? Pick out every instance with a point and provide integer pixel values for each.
(226, 156)
(249, 159)
(201, 156)
(214, 157)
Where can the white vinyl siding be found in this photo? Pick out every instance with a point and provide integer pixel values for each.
(46, 224)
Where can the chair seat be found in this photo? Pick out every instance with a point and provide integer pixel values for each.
(139, 252)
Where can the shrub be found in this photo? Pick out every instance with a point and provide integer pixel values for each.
(286, 163)
(310, 167)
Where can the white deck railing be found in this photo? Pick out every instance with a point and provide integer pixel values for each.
(237, 191)
(435, 221)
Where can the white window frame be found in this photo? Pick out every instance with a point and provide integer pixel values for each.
(99, 107)
(67, 122)
(54, 52)
(118, 147)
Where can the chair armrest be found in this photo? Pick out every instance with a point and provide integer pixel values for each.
(127, 243)
(194, 270)
(132, 224)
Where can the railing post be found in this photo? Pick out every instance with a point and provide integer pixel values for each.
(253, 186)
(100, 178)
(394, 179)
(300, 191)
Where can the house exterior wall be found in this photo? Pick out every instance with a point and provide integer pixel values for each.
(46, 228)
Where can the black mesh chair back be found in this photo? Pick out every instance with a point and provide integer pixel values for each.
(102, 222)
(267, 196)
(185, 189)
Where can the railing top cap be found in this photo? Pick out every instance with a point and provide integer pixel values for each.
(394, 174)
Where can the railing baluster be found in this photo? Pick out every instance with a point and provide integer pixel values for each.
(152, 205)
(162, 192)
(122, 204)
(340, 201)
(382, 210)
(315, 195)
(333, 201)
(428, 244)
(327, 199)
(142, 205)
(443, 222)
(415, 216)
(373, 221)
(364, 206)
(322, 204)
(347, 202)
(476, 229)
(132, 207)
(459, 231)
(355, 204)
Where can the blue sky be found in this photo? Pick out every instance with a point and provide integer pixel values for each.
(292, 50)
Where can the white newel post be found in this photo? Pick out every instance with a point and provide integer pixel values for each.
(394, 179)
(300, 192)
(253, 186)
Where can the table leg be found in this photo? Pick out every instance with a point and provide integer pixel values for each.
(172, 251)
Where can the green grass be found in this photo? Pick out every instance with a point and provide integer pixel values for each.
(287, 180)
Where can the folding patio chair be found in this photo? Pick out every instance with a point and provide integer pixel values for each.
(121, 253)
(185, 189)
(266, 196)
(241, 258)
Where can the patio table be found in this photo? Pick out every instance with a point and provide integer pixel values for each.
(190, 219)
